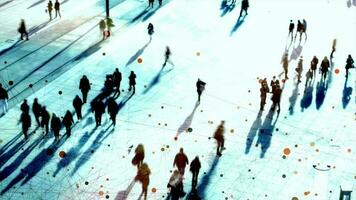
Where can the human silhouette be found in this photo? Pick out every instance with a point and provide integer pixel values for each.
(349, 65)
(139, 156)
(285, 65)
(219, 137)
(117, 77)
(273, 84)
(299, 69)
(175, 184)
(4, 96)
(25, 108)
(143, 176)
(45, 116)
(113, 109)
(299, 30)
(56, 126)
(304, 29)
(291, 29)
(57, 8)
(167, 56)
(109, 83)
(309, 77)
(313, 65)
(36, 109)
(109, 25)
(98, 109)
(22, 30)
(150, 3)
(78, 104)
(244, 7)
(102, 27)
(333, 49)
(68, 122)
(160, 3)
(150, 30)
(181, 161)
(324, 68)
(263, 93)
(84, 86)
(276, 98)
(132, 81)
(25, 119)
(194, 168)
(200, 88)
(49, 9)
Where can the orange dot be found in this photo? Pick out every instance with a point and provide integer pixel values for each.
(139, 60)
(286, 151)
(62, 154)
(101, 193)
(154, 190)
(306, 193)
(337, 71)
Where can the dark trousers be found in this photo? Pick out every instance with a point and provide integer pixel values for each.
(85, 95)
(58, 13)
(24, 34)
(78, 111)
(68, 131)
(195, 179)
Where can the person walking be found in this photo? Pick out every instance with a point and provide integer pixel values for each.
(194, 168)
(139, 156)
(25, 108)
(349, 65)
(45, 116)
(299, 69)
(304, 29)
(117, 77)
(167, 56)
(22, 30)
(25, 119)
(113, 109)
(219, 137)
(102, 27)
(150, 30)
(200, 88)
(324, 67)
(181, 161)
(78, 104)
(49, 9)
(291, 29)
(314, 64)
(285, 65)
(84, 87)
(36, 109)
(68, 122)
(333, 49)
(57, 9)
(244, 7)
(56, 126)
(4, 96)
(276, 99)
(175, 184)
(132, 81)
(143, 176)
(299, 30)
(160, 3)
(263, 93)
(98, 109)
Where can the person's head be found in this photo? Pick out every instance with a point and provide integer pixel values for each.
(291, 21)
(117, 69)
(25, 100)
(196, 158)
(84, 76)
(68, 112)
(349, 57)
(181, 150)
(325, 58)
(35, 100)
(274, 77)
(222, 122)
(175, 172)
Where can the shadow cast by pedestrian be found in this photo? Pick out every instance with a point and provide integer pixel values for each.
(239, 22)
(296, 52)
(74, 152)
(123, 102)
(156, 79)
(188, 121)
(122, 195)
(201, 192)
(137, 54)
(226, 8)
(321, 89)
(346, 94)
(5, 3)
(266, 132)
(86, 155)
(9, 144)
(293, 99)
(36, 165)
(256, 125)
(36, 3)
(307, 99)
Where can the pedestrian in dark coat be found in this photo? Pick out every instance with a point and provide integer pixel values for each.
(139, 156)
(181, 160)
(324, 67)
(200, 88)
(98, 109)
(132, 81)
(25, 108)
(349, 65)
(314, 65)
(244, 7)
(219, 137)
(25, 119)
(285, 65)
(68, 122)
(56, 126)
(49, 9)
(78, 104)
(36, 109)
(150, 30)
(3, 99)
(264, 90)
(22, 30)
(299, 69)
(291, 29)
(299, 30)
(167, 56)
(45, 119)
(160, 3)
(84, 86)
(276, 98)
(113, 109)
(117, 77)
(57, 8)
(194, 168)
